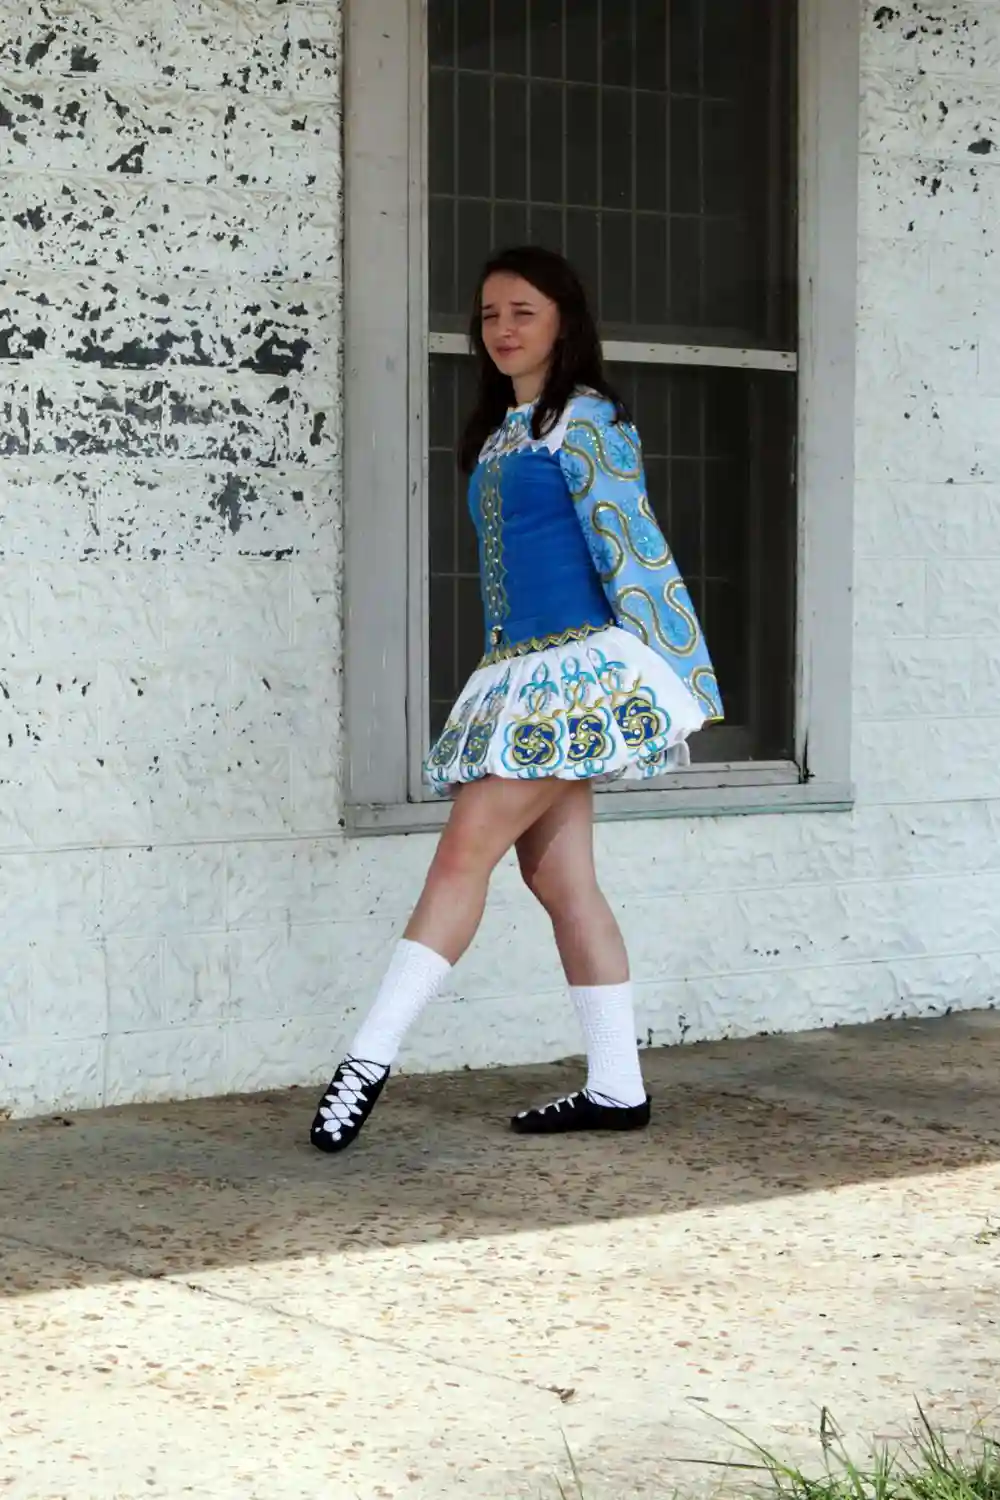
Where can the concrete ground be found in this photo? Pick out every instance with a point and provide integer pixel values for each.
(194, 1302)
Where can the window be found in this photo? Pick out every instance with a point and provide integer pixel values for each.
(656, 143)
(651, 142)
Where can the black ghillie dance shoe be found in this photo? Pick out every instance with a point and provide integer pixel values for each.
(347, 1103)
(581, 1111)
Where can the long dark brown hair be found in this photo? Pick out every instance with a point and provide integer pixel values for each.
(576, 356)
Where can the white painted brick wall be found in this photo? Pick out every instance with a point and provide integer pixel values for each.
(181, 913)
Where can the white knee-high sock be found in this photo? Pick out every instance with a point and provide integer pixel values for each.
(608, 1022)
(414, 976)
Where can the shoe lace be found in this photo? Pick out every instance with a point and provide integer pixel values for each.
(570, 1100)
(347, 1097)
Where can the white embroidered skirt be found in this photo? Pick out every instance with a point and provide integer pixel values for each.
(606, 707)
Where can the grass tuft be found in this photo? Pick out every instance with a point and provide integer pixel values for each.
(924, 1468)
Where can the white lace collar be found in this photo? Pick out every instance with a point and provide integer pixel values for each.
(514, 433)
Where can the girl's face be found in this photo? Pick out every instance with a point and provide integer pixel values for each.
(520, 327)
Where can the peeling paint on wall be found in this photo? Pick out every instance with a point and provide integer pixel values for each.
(186, 319)
(170, 528)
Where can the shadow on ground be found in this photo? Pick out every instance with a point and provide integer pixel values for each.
(177, 1189)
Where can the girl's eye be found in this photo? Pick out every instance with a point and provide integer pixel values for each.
(489, 317)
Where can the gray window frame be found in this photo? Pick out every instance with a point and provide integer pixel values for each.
(385, 471)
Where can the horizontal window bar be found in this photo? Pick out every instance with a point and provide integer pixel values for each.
(581, 83)
(716, 217)
(624, 352)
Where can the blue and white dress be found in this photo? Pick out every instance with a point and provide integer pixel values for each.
(595, 665)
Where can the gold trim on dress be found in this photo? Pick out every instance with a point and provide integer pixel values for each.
(494, 570)
(542, 643)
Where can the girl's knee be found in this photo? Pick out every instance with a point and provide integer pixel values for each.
(458, 858)
(560, 894)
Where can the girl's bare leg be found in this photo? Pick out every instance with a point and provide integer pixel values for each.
(487, 818)
(556, 855)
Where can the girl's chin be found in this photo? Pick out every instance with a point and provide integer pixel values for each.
(512, 367)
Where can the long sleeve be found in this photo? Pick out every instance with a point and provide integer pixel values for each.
(601, 461)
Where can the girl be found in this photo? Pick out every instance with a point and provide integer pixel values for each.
(594, 668)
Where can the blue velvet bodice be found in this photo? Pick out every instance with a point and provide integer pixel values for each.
(569, 543)
(539, 583)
